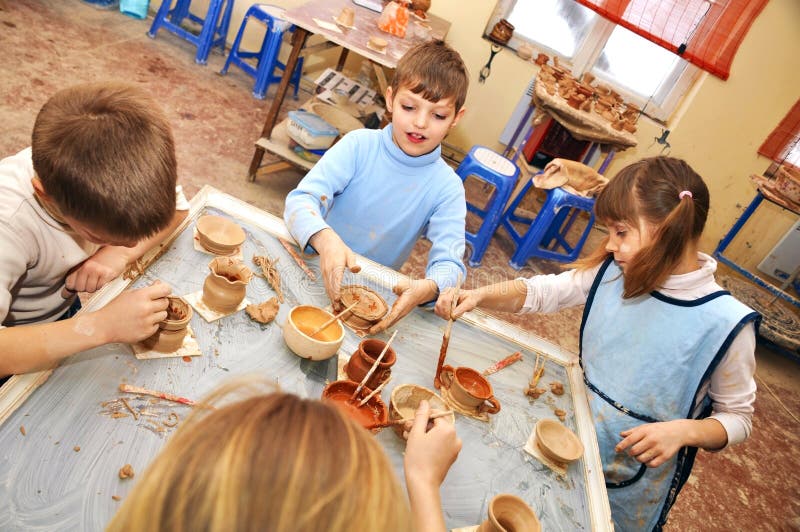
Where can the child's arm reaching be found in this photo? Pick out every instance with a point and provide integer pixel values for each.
(428, 457)
(130, 317)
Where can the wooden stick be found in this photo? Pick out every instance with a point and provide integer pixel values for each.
(497, 366)
(372, 369)
(325, 325)
(131, 410)
(127, 388)
(403, 421)
(298, 259)
(376, 390)
(446, 338)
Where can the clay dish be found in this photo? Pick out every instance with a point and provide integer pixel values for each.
(302, 321)
(557, 442)
(406, 399)
(371, 307)
(378, 44)
(219, 235)
(374, 412)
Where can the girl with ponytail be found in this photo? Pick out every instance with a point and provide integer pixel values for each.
(667, 354)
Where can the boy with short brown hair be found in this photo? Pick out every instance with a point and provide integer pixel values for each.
(376, 192)
(95, 191)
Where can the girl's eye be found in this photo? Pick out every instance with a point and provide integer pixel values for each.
(621, 234)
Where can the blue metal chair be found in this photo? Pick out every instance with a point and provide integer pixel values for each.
(214, 25)
(546, 235)
(267, 56)
(493, 168)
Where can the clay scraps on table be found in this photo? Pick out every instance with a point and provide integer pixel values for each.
(556, 388)
(126, 471)
(271, 274)
(264, 312)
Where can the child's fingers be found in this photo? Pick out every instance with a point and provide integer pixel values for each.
(421, 418)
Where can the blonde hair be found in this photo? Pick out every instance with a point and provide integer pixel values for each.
(273, 462)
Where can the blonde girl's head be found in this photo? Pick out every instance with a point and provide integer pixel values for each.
(668, 201)
(270, 462)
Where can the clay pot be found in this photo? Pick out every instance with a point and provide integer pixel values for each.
(525, 51)
(406, 399)
(509, 513)
(302, 321)
(502, 31)
(371, 307)
(364, 357)
(374, 412)
(420, 5)
(557, 442)
(347, 17)
(542, 59)
(469, 389)
(171, 332)
(219, 235)
(225, 286)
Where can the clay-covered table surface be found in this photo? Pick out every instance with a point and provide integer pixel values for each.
(62, 472)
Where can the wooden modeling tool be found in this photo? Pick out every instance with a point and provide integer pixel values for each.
(403, 421)
(446, 338)
(372, 394)
(497, 366)
(372, 369)
(298, 259)
(127, 388)
(538, 371)
(325, 325)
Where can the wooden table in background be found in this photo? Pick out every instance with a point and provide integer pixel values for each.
(354, 39)
(45, 484)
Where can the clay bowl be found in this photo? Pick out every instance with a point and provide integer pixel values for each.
(371, 307)
(302, 321)
(219, 235)
(557, 442)
(374, 412)
(406, 399)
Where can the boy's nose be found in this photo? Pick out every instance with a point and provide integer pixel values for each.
(420, 120)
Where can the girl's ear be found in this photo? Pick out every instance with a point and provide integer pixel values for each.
(389, 101)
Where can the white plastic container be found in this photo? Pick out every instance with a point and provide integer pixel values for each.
(311, 131)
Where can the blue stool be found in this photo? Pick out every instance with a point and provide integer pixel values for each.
(267, 56)
(214, 26)
(496, 170)
(547, 232)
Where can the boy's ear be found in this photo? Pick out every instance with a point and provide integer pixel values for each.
(458, 116)
(388, 98)
(38, 187)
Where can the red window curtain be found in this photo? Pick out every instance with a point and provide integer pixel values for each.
(783, 137)
(704, 33)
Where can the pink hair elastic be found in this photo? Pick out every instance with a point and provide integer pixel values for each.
(684, 193)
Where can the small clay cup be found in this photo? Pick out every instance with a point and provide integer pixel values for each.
(226, 285)
(302, 321)
(171, 332)
(346, 17)
(371, 307)
(557, 442)
(364, 357)
(509, 513)
(469, 389)
(406, 399)
(219, 235)
(542, 59)
(502, 31)
(374, 412)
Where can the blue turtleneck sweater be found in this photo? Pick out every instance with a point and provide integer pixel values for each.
(379, 200)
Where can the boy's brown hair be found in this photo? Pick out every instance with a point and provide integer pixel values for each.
(105, 156)
(650, 190)
(435, 71)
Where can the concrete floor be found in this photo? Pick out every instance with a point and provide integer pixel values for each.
(51, 44)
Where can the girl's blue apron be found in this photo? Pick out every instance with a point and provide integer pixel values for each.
(644, 361)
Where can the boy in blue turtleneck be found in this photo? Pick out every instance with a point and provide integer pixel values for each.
(376, 191)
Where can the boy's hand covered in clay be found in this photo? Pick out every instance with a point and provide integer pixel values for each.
(134, 314)
(334, 257)
(410, 294)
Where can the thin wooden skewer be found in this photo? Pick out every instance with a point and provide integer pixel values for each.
(403, 421)
(325, 325)
(127, 388)
(446, 338)
(497, 366)
(376, 390)
(298, 259)
(372, 369)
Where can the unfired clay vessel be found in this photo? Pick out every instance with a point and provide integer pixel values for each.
(469, 389)
(509, 513)
(406, 399)
(371, 307)
(364, 357)
(557, 442)
(302, 321)
(374, 412)
(346, 17)
(225, 286)
(219, 235)
(171, 332)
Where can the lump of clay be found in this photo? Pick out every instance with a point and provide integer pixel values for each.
(557, 388)
(264, 312)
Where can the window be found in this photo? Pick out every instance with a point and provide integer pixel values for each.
(643, 72)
